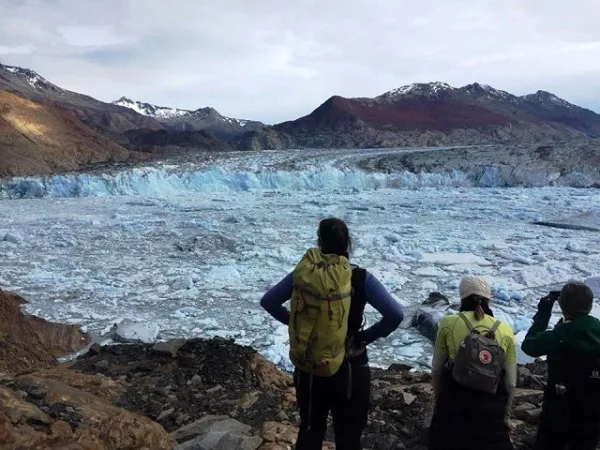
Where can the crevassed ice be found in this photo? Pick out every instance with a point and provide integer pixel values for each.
(162, 182)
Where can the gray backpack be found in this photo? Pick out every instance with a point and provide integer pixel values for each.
(479, 359)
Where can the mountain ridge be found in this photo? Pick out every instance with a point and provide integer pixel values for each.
(431, 114)
(419, 114)
(201, 119)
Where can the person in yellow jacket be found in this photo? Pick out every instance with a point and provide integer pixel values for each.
(464, 418)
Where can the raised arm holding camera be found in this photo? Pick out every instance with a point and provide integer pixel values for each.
(571, 411)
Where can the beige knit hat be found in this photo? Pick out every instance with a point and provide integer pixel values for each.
(471, 284)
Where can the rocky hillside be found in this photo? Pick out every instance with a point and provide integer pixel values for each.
(28, 342)
(190, 394)
(430, 115)
(40, 138)
(203, 119)
(44, 128)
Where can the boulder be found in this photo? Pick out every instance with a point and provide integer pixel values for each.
(531, 416)
(216, 433)
(210, 424)
(281, 436)
(533, 396)
(169, 347)
(269, 376)
(406, 398)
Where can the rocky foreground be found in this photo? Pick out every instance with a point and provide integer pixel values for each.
(192, 394)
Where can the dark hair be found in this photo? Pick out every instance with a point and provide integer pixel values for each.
(576, 299)
(334, 237)
(478, 304)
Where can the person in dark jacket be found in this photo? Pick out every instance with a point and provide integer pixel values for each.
(347, 393)
(464, 418)
(571, 410)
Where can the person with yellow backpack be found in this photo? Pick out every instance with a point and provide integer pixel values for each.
(328, 342)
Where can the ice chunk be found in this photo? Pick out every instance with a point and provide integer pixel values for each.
(224, 276)
(596, 311)
(444, 258)
(577, 247)
(392, 237)
(522, 358)
(430, 272)
(187, 311)
(517, 296)
(183, 283)
(594, 284)
(512, 256)
(588, 220)
(207, 324)
(130, 331)
(522, 323)
(12, 238)
(278, 349)
(502, 295)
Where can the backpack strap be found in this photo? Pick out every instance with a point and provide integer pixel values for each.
(495, 327)
(466, 321)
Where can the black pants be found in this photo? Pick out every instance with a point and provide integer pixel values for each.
(465, 419)
(348, 399)
(558, 432)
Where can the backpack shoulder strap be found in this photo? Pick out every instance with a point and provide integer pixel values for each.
(466, 321)
(359, 276)
(495, 327)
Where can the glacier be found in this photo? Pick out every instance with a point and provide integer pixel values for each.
(167, 181)
(190, 250)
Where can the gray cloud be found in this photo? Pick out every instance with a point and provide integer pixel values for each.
(272, 60)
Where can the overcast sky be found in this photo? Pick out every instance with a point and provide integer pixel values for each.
(274, 60)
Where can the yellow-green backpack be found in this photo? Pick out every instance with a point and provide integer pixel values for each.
(320, 308)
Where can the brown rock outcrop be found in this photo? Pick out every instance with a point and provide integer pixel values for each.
(28, 342)
(41, 413)
(37, 138)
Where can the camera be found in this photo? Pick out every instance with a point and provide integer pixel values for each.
(554, 295)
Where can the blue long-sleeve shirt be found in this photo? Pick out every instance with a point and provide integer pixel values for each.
(376, 295)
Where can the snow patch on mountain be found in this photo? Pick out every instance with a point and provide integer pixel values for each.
(34, 79)
(548, 99)
(543, 98)
(166, 113)
(417, 89)
(488, 91)
(146, 109)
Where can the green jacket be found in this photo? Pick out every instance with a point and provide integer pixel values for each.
(582, 334)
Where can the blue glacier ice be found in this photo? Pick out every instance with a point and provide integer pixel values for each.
(164, 182)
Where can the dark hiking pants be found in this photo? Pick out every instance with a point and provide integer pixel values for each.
(465, 419)
(346, 394)
(557, 432)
